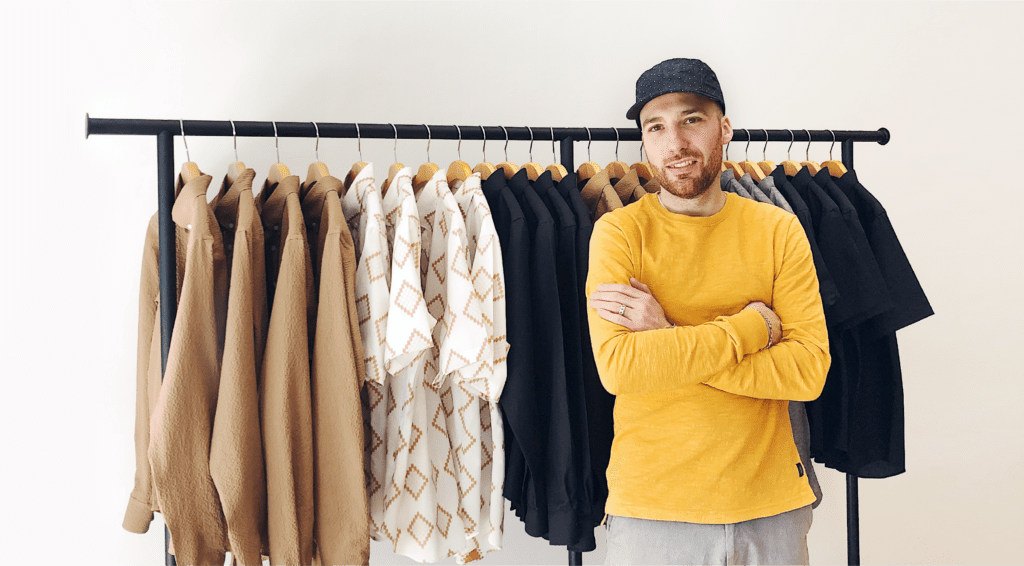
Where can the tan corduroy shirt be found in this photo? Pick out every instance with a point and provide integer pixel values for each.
(182, 420)
(629, 189)
(285, 397)
(342, 528)
(236, 449)
(142, 502)
(599, 195)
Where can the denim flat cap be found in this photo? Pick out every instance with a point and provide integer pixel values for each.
(676, 75)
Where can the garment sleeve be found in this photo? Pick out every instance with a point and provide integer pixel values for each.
(794, 368)
(665, 359)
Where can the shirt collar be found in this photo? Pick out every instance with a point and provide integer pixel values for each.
(225, 204)
(273, 198)
(184, 210)
(591, 192)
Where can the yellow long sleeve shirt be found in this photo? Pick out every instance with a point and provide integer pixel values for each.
(702, 430)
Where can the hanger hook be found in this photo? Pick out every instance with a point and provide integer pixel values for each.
(183, 140)
(616, 143)
(317, 149)
(428, 142)
(831, 146)
(726, 149)
(807, 154)
(792, 138)
(641, 151)
(589, 141)
(531, 143)
(359, 140)
(746, 157)
(395, 149)
(554, 159)
(459, 149)
(506, 141)
(276, 147)
(764, 151)
(233, 136)
(483, 130)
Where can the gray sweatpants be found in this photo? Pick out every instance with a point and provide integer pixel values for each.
(779, 539)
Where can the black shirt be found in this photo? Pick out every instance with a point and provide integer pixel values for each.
(525, 421)
(560, 481)
(600, 404)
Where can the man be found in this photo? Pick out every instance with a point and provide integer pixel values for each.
(706, 321)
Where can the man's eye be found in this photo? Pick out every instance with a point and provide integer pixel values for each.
(691, 120)
(654, 128)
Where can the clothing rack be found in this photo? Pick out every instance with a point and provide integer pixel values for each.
(165, 130)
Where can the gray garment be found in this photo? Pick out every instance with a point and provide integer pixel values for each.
(768, 187)
(797, 411)
(748, 183)
(779, 539)
(730, 185)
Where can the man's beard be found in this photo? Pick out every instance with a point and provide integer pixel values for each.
(692, 188)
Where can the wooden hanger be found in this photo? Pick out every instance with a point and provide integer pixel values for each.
(189, 169)
(811, 166)
(835, 168)
(507, 166)
(317, 170)
(617, 169)
(766, 165)
(558, 171)
(733, 166)
(278, 171)
(236, 168)
(644, 169)
(427, 170)
(459, 170)
(354, 171)
(750, 167)
(590, 168)
(485, 168)
(791, 167)
(395, 168)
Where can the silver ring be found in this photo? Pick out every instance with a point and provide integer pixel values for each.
(622, 310)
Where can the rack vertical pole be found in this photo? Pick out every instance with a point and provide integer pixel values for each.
(168, 266)
(852, 497)
(568, 161)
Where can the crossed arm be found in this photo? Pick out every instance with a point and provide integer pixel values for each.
(779, 353)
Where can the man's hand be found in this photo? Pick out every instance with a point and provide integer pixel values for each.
(771, 319)
(632, 306)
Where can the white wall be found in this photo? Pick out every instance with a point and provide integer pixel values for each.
(945, 78)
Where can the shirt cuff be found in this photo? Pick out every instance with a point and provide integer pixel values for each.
(137, 517)
(749, 330)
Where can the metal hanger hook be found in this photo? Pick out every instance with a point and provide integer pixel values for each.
(554, 159)
(235, 137)
(807, 154)
(428, 142)
(506, 141)
(589, 141)
(746, 156)
(317, 149)
(276, 146)
(183, 140)
(726, 149)
(642, 150)
(531, 143)
(483, 130)
(359, 140)
(764, 151)
(792, 138)
(459, 148)
(616, 143)
(395, 149)
(831, 146)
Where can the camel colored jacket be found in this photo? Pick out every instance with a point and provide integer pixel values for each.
(342, 527)
(285, 397)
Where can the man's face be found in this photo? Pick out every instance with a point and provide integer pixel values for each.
(683, 134)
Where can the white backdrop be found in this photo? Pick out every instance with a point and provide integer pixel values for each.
(945, 78)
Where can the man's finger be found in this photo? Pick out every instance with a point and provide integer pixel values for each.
(627, 290)
(610, 306)
(638, 285)
(614, 317)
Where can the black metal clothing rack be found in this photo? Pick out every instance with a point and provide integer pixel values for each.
(165, 130)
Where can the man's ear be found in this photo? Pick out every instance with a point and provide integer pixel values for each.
(726, 130)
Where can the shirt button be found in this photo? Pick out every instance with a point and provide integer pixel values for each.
(231, 225)
(273, 248)
(277, 227)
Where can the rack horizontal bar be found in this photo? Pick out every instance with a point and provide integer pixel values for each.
(133, 127)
